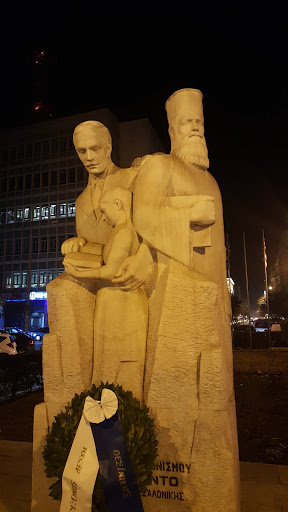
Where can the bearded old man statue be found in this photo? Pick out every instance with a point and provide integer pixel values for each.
(189, 371)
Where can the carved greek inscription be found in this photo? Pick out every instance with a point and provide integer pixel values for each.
(171, 481)
(164, 495)
(174, 467)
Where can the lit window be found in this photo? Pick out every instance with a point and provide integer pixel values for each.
(62, 210)
(26, 213)
(53, 211)
(24, 279)
(8, 281)
(10, 216)
(36, 212)
(42, 277)
(16, 279)
(60, 271)
(71, 209)
(51, 275)
(45, 212)
(19, 214)
(34, 278)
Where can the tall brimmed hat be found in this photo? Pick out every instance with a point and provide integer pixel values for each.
(183, 102)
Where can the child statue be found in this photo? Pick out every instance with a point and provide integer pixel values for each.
(121, 317)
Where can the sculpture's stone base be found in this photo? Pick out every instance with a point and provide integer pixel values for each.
(41, 501)
(189, 389)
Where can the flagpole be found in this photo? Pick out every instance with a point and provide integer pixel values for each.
(266, 285)
(247, 290)
(229, 277)
(27, 311)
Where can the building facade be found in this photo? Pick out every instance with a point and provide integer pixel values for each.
(41, 176)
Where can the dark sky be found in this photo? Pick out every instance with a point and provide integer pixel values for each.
(237, 57)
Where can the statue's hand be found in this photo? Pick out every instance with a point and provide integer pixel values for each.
(72, 245)
(132, 273)
(71, 270)
(203, 211)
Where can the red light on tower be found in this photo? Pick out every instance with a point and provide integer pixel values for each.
(38, 105)
(40, 57)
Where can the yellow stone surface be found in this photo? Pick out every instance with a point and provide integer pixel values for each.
(185, 372)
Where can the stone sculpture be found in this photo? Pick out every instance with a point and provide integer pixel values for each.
(188, 375)
(68, 349)
(177, 215)
(119, 346)
(72, 300)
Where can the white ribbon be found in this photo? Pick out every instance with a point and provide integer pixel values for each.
(82, 465)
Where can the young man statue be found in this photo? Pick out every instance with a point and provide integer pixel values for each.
(71, 300)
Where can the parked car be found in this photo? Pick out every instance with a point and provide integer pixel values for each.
(12, 330)
(38, 334)
(261, 325)
(23, 342)
(243, 328)
(7, 345)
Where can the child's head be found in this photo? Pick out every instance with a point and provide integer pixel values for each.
(113, 202)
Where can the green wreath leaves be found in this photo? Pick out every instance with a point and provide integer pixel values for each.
(138, 430)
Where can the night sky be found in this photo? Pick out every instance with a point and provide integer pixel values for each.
(237, 58)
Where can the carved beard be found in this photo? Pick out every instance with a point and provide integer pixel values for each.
(193, 151)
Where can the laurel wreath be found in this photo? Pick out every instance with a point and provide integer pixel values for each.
(138, 430)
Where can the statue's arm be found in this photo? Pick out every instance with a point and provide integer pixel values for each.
(165, 227)
(118, 253)
(135, 269)
(72, 245)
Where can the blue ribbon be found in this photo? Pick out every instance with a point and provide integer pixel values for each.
(119, 483)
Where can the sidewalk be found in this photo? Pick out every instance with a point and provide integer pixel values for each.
(264, 486)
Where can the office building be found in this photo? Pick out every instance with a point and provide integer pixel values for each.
(41, 176)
